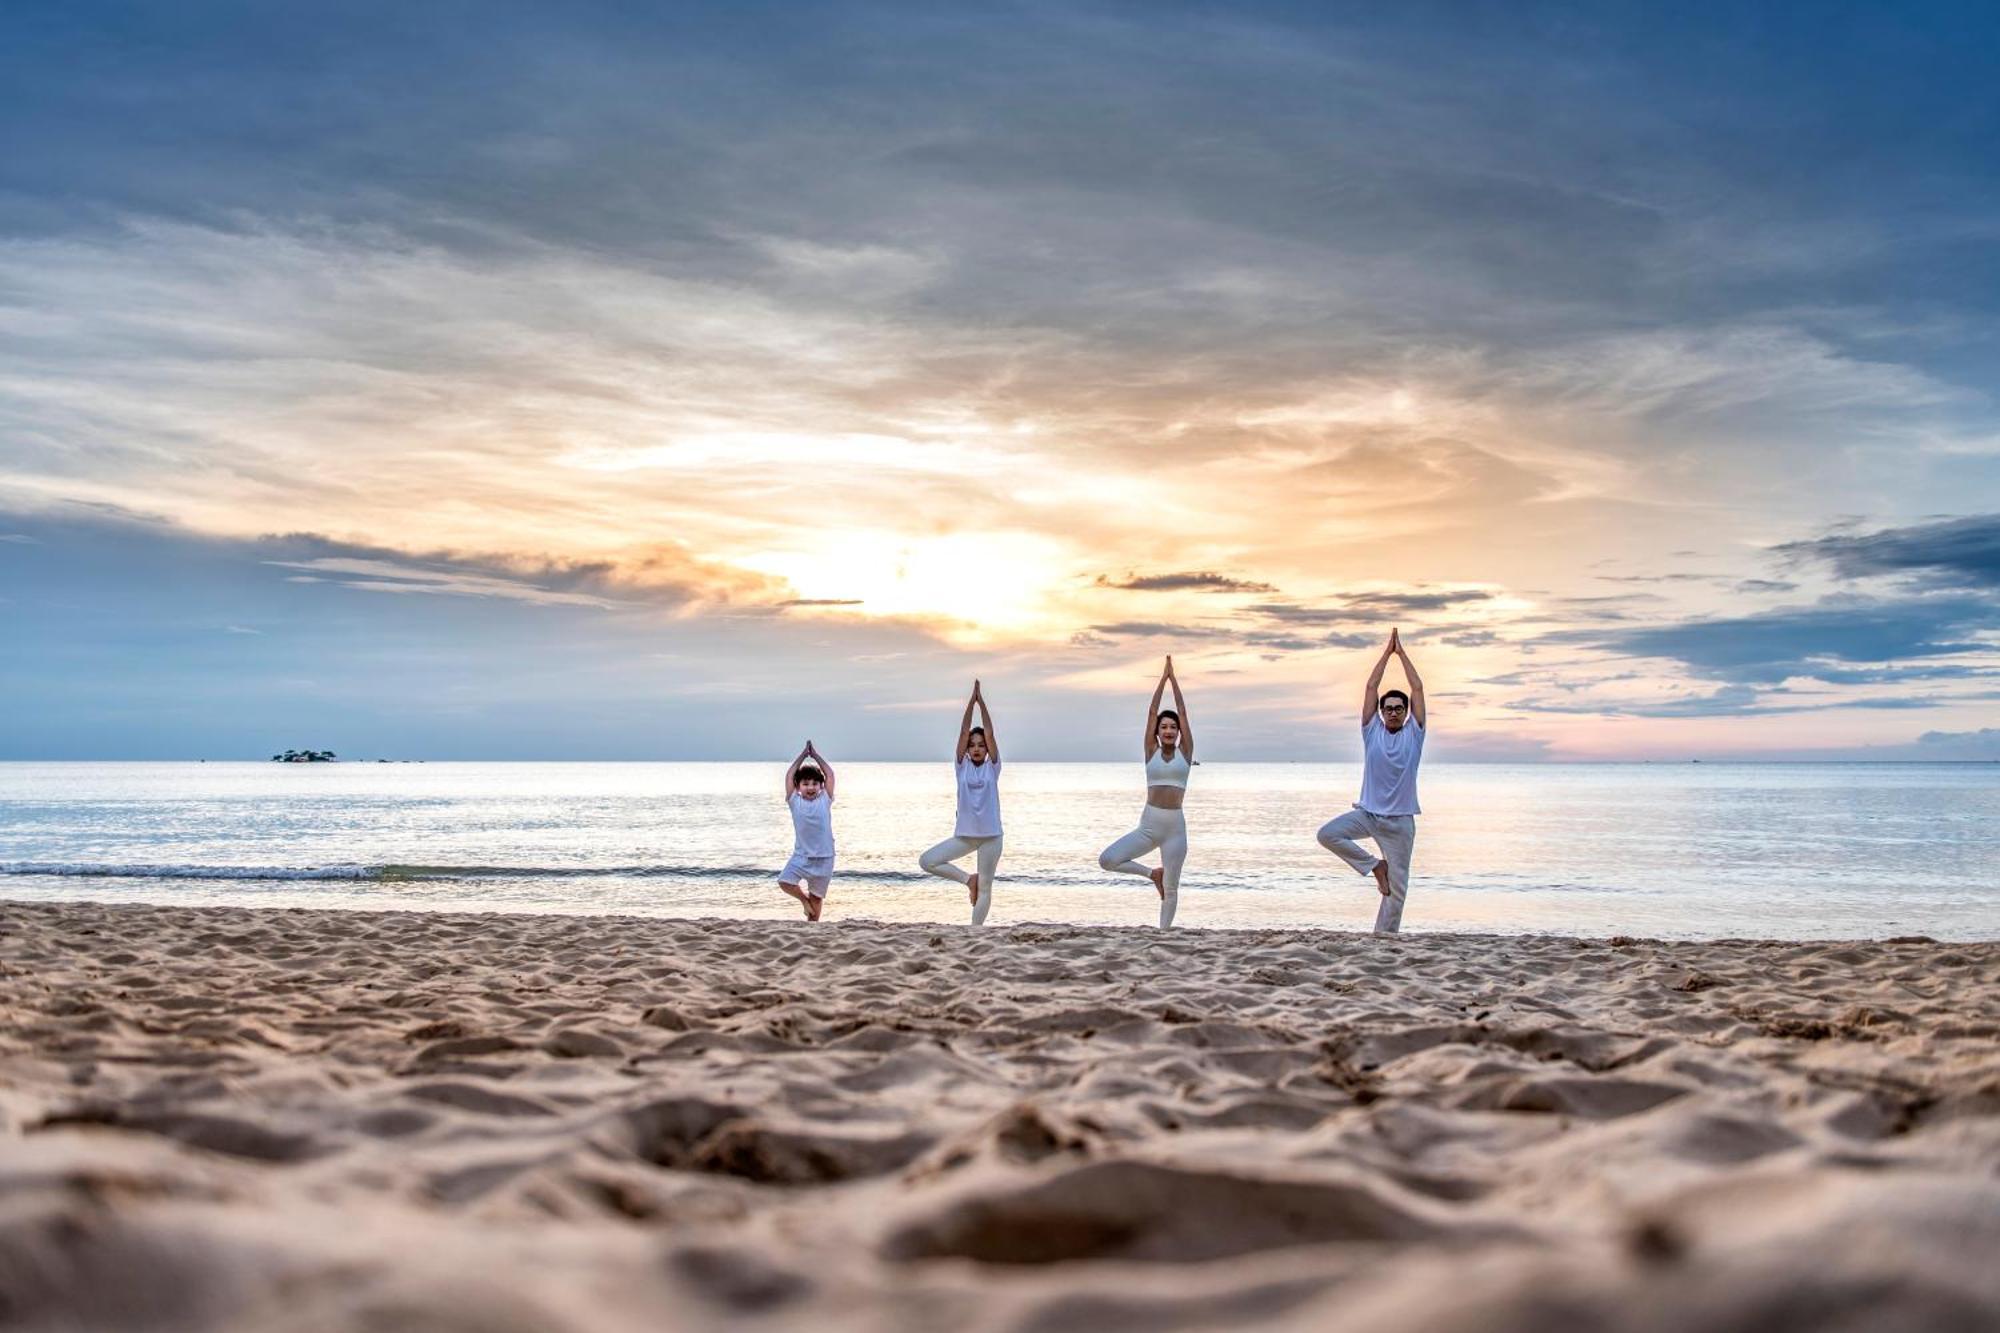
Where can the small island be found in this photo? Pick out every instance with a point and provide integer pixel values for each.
(304, 757)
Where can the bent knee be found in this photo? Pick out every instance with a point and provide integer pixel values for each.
(1106, 861)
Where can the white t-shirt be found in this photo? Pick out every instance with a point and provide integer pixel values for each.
(812, 824)
(1389, 767)
(978, 799)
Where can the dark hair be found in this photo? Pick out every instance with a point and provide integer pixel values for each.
(1387, 695)
(976, 731)
(807, 773)
(1166, 713)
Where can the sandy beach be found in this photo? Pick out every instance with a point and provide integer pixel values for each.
(233, 1118)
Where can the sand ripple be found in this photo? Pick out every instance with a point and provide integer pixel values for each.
(231, 1118)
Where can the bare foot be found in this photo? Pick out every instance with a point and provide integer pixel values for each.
(1382, 877)
(814, 905)
(1158, 875)
(972, 889)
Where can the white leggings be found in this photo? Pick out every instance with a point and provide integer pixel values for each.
(938, 861)
(1166, 830)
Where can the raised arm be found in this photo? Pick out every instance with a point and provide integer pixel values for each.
(1180, 706)
(986, 721)
(1371, 696)
(1153, 711)
(791, 773)
(825, 766)
(1416, 683)
(965, 726)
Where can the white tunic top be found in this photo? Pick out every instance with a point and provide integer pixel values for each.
(1389, 767)
(978, 799)
(812, 824)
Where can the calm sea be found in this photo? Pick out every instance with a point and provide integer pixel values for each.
(1681, 850)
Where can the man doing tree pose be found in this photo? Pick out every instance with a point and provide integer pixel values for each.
(1392, 741)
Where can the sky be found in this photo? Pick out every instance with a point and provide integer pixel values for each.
(626, 382)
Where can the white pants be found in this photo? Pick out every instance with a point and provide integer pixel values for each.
(938, 861)
(1166, 830)
(1393, 834)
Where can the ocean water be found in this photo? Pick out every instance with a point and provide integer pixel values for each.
(1806, 851)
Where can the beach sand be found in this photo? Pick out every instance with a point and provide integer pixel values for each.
(265, 1119)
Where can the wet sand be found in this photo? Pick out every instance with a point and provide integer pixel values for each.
(278, 1119)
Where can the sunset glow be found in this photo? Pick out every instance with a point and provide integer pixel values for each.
(848, 387)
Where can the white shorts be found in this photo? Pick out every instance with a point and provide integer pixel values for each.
(815, 872)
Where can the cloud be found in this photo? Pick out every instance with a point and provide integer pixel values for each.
(1368, 607)
(1731, 372)
(1296, 614)
(1959, 552)
(1725, 701)
(388, 576)
(661, 575)
(1897, 675)
(18, 539)
(1756, 586)
(1283, 643)
(1388, 605)
(821, 601)
(1160, 629)
(1198, 581)
(1983, 744)
(1276, 642)
(1609, 608)
(1826, 641)
(1367, 452)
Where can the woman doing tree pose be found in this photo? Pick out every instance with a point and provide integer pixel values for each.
(1169, 760)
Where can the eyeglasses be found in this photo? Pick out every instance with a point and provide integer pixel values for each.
(1394, 708)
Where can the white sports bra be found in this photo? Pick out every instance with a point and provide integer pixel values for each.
(1164, 772)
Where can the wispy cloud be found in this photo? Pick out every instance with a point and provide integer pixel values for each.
(1739, 701)
(1195, 581)
(1368, 607)
(390, 577)
(1161, 629)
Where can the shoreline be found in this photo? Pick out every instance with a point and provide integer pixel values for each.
(782, 915)
(785, 917)
(249, 1117)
